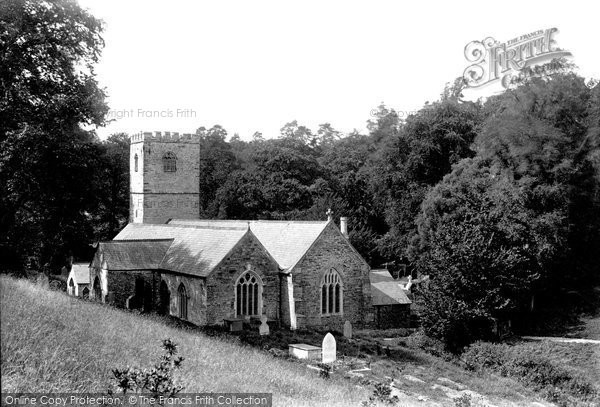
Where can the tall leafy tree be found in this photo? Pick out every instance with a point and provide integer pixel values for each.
(217, 162)
(520, 221)
(544, 133)
(415, 158)
(48, 91)
(483, 249)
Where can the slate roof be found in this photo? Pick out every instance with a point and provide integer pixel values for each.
(127, 254)
(80, 273)
(286, 241)
(385, 290)
(190, 249)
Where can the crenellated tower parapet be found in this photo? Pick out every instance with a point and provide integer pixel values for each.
(164, 137)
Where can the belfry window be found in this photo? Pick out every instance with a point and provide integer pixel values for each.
(332, 293)
(135, 163)
(169, 162)
(248, 295)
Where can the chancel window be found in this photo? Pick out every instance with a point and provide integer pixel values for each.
(182, 301)
(331, 293)
(248, 295)
(169, 162)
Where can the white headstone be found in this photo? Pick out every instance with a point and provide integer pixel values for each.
(347, 330)
(263, 329)
(328, 350)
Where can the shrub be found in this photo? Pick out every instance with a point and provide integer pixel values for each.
(382, 394)
(158, 381)
(430, 345)
(559, 385)
(463, 401)
(482, 355)
(325, 371)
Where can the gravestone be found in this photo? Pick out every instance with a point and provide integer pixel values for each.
(263, 329)
(328, 350)
(347, 330)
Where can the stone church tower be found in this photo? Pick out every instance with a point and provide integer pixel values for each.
(164, 177)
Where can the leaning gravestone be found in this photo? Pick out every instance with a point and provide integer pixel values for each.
(328, 350)
(263, 329)
(347, 330)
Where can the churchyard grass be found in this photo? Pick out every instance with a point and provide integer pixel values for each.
(54, 343)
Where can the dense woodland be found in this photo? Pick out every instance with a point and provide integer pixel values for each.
(497, 200)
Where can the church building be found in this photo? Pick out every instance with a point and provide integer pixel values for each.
(296, 273)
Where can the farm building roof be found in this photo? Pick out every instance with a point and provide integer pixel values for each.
(80, 273)
(385, 290)
(286, 241)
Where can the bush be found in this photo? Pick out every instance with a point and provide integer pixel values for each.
(325, 371)
(559, 385)
(483, 355)
(382, 394)
(430, 345)
(157, 381)
(463, 401)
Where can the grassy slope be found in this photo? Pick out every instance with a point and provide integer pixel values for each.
(51, 342)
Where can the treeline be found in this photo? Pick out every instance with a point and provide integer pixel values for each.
(497, 201)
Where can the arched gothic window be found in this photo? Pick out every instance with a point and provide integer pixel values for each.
(169, 162)
(332, 293)
(135, 163)
(248, 295)
(182, 301)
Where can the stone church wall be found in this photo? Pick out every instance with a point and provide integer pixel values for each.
(195, 288)
(248, 254)
(392, 316)
(122, 289)
(332, 250)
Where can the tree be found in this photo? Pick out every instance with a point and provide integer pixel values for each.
(545, 134)
(112, 212)
(217, 162)
(520, 220)
(415, 158)
(483, 249)
(48, 50)
(47, 91)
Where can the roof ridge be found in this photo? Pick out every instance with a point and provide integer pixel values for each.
(138, 240)
(189, 226)
(240, 221)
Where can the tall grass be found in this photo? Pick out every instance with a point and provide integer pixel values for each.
(53, 343)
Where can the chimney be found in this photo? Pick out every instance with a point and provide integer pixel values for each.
(344, 226)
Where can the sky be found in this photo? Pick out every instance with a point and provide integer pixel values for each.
(256, 65)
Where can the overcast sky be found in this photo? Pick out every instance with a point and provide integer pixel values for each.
(256, 65)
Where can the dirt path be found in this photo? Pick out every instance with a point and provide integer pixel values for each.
(563, 340)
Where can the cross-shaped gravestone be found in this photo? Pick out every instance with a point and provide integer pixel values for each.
(263, 329)
(328, 350)
(347, 330)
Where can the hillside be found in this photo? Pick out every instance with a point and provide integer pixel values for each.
(51, 343)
